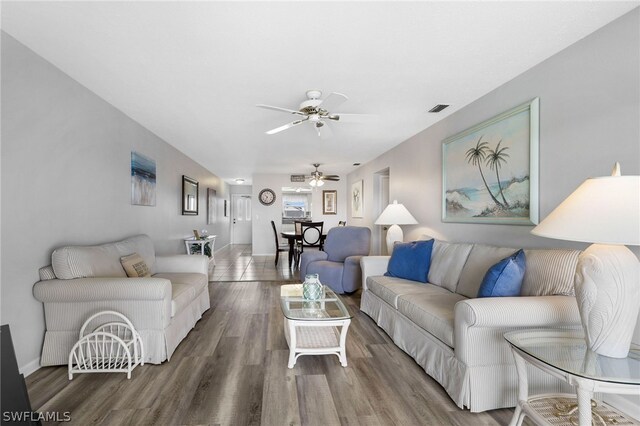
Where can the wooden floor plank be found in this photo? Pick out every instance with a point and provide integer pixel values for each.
(315, 401)
(232, 370)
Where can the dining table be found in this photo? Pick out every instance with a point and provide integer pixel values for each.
(292, 237)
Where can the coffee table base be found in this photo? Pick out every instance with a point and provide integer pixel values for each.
(316, 338)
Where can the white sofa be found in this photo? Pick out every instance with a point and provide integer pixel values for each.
(83, 280)
(457, 338)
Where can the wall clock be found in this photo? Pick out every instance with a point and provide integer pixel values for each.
(267, 196)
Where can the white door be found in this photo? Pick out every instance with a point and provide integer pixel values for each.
(240, 219)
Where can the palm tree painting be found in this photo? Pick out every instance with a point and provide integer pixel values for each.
(490, 171)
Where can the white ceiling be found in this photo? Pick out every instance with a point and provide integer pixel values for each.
(192, 72)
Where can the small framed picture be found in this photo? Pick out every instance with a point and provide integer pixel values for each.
(212, 213)
(330, 202)
(357, 199)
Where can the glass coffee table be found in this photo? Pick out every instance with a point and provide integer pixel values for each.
(316, 327)
(564, 355)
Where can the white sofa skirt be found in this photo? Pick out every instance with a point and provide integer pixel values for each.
(159, 343)
(478, 388)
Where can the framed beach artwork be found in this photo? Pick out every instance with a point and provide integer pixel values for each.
(330, 202)
(211, 206)
(143, 180)
(357, 199)
(490, 171)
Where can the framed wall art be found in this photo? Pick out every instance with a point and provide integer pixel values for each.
(357, 199)
(490, 171)
(189, 196)
(212, 212)
(143, 180)
(330, 202)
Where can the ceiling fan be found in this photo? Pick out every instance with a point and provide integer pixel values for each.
(316, 111)
(318, 178)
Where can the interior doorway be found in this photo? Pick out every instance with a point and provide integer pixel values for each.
(381, 196)
(240, 219)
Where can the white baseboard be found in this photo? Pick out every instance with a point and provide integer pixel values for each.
(628, 404)
(30, 367)
(220, 248)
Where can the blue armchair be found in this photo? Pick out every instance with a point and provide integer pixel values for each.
(339, 264)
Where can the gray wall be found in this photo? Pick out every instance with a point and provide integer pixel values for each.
(589, 118)
(66, 180)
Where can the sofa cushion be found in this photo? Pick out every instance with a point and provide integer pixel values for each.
(184, 288)
(390, 288)
(447, 261)
(410, 261)
(101, 260)
(504, 279)
(481, 258)
(181, 296)
(432, 312)
(197, 281)
(550, 272)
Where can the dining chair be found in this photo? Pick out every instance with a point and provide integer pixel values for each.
(310, 237)
(279, 246)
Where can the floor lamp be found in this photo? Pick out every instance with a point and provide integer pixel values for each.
(395, 214)
(604, 211)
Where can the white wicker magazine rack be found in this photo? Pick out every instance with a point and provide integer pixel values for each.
(114, 347)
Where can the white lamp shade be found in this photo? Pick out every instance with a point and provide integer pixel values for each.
(316, 182)
(603, 210)
(396, 214)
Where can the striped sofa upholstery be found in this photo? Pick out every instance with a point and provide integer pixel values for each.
(84, 280)
(458, 338)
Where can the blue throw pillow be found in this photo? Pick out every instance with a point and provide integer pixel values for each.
(504, 279)
(411, 261)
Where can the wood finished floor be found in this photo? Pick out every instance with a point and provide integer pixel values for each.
(232, 370)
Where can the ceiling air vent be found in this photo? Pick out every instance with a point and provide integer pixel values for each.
(438, 108)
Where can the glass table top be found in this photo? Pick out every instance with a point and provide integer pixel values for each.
(327, 308)
(566, 350)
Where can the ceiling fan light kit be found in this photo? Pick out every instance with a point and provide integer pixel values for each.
(317, 111)
(318, 178)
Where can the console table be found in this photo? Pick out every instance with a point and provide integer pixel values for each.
(201, 242)
(564, 355)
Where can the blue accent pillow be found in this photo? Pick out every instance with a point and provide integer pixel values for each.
(504, 279)
(411, 261)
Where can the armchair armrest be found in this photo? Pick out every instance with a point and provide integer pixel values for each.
(373, 266)
(182, 263)
(308, 257)
(487, 319)
(100, 289)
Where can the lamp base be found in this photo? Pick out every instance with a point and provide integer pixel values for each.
(394, 233)
(608, 297)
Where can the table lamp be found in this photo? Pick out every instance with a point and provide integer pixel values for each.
(604, 211)
(395, 214)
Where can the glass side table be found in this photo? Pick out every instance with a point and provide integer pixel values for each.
(564, 355)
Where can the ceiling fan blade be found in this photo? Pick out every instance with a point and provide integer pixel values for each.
(285, 127)
(332, 178)
(352, 118)
(333, 101)
(275, 108)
